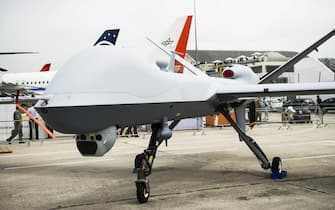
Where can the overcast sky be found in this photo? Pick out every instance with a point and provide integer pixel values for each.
(58, 29)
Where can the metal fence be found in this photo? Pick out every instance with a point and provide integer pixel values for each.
(6, 128)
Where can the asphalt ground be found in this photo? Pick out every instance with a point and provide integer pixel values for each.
(209, 169)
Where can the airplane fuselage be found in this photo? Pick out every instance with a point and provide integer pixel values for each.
(106, 86)
(33, 82)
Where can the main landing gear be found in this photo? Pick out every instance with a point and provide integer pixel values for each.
(276, 165)
(162, 132)
(144, 161)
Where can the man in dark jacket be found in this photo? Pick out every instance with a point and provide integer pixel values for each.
(17, 127)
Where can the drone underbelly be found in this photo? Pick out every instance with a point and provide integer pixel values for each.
(84, 119)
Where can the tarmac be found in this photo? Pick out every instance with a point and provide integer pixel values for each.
(208, 169)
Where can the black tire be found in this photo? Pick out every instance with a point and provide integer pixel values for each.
(276, 166)
(143, 192)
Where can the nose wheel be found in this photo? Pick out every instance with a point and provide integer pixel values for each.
(142, 190)
(143, 166)
(144, 161)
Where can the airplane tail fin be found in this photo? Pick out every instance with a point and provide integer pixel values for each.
(176, 39)
(46, 67)
(108, 37)
(182, 43)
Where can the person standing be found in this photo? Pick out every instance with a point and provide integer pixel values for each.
(266, 106)
(134, 132)
(17, 127)
(318, 102)
(32, 124)
(259, 107)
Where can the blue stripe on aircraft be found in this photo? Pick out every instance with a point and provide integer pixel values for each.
(36, 89)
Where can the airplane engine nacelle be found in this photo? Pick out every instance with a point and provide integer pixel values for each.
(240, 72)
(96, 144)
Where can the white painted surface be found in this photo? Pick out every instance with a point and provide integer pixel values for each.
(311, 69)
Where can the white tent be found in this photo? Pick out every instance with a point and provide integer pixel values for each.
(311, 69)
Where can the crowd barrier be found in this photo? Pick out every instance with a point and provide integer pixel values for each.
(6, 128)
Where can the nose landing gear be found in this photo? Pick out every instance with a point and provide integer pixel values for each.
(145, 160)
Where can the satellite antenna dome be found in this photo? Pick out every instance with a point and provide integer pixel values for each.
(162, 64)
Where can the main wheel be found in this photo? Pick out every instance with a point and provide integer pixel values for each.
(143, 191)
(276, 165)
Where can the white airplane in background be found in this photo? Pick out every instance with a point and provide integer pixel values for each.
(28, 83)
(118, 88)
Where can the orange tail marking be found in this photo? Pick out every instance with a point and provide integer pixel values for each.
(182, 43)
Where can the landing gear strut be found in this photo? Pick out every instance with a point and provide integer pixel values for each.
(253, 146)
(145, 160)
